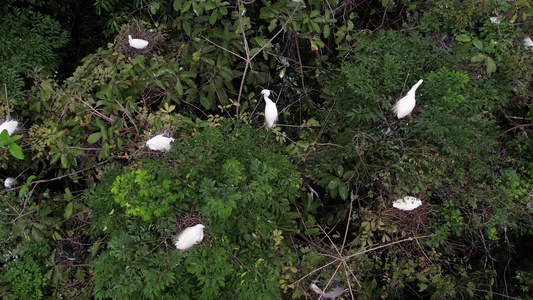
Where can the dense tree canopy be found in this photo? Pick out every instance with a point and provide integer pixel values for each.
(294, 211)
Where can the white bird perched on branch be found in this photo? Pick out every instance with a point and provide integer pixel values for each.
(407, 203)
(159, 143)
(190, 236)
(271, 111)
(405, 106)
(10, 126)
(10, 182)
(137, 43)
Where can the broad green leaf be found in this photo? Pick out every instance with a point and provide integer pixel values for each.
(478, 58)
(207, 103)
(491, 66)
(36, 234)
(154, 7)
(64, 161)
(303, 144)
(93, 138)
(422, 287)
(343, 191)
(348, 175)
(333, 184)
(179, 88)
(177, 5)
(30, 179)
(478, 44)
(312, 231)
(16, 151)
(68, 210)
(57, 236)
(326, 31)
(55, 158)
(463, 38)
(23, 190)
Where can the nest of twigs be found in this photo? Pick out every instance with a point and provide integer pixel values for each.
(136, 32)
(70, 252)
(410, 220)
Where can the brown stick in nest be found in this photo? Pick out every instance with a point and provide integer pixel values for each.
(413, 220)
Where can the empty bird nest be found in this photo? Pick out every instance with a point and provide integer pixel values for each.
(410, 220)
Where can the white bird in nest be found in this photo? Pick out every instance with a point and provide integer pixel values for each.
(10, 182)
(10, 126)
(190, 236)
(271, 111)
(159, 143)
(137, 43)
(407, 203)
(405, 106)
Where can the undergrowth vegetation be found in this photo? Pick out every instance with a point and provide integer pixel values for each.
(288, 210)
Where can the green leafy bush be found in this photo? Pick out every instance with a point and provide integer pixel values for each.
(30, 41)
(25, 274)
(226, 175)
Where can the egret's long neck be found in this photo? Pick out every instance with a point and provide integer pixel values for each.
(413, 89)
(268, 101)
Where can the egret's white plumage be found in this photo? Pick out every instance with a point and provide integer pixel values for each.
(271, 111)
(190, 236)
(528, 43)
(405, 106)
(10, 182)
(407, 203)
(10, 126)
(159, 143)
(495, 20)
(137, 43)
(330, 293)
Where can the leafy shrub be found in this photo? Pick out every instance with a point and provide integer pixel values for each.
(30, 40)
(25, 274)
(226, 175)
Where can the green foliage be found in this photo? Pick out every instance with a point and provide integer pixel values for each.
(9, 141)
(385, 64)
(24, 274)
(310, 198)
(30, 41)
(241, 189)
(154, 194)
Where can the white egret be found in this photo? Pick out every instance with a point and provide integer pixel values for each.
(10, 182)
(330, 293)
(190, 236)
(271, 111)
(137, 43)
(528, 43)
(159, 143)
(10, 126)
(407, 203)
(405, 106)
(495, 20)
